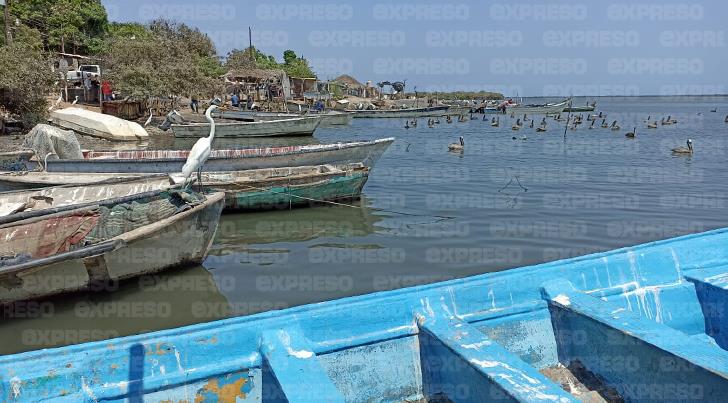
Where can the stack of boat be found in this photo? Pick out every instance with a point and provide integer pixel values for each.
(104, 216)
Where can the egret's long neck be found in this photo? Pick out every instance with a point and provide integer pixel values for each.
(212, 127)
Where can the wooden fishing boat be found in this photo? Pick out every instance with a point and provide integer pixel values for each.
(98, 125)
(104, 243)
(257, 189)
(75, 191)
(282, 188)
(401, 113)
(328, 118)
(641, 323)
(543, 109)
(586, 108)
(171, 161)
(299, 126)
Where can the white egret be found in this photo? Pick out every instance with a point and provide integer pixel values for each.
(151, 115)
(75, 101)
(199, 153)
(58, 102)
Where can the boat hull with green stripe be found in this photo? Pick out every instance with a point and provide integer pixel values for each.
(274, 189)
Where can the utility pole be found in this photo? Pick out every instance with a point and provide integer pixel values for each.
(250, 39)
(8, 35)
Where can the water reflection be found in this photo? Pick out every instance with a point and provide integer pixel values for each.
(237, 231)
(166, 300)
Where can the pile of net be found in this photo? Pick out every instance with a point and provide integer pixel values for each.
(50, 142)
(77, 229)
(121, 218)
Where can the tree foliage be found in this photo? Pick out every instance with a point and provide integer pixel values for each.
(166, 59)
(25, 81)
(79, 24)
(296, 66)
(292, 64)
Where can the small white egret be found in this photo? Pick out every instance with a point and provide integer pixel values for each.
(199, 153)
(75, 101)
(58, 102)
(151, 115)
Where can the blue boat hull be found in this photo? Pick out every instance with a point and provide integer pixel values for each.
(646, 321)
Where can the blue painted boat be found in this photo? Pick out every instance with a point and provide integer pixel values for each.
(643, 323)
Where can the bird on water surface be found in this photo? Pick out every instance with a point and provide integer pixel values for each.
(457, 146)
(684, 150)
(631, 134)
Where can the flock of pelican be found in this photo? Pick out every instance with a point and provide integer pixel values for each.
(572, 123)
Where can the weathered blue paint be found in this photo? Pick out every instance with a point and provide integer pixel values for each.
(711, 286)
(462, 363)
(387, 346)
(643, 359)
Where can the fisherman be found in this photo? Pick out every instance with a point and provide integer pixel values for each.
(235, 100)
(194, 104)
(106, 90)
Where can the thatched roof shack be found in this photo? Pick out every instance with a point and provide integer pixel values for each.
(258, 82)
(350, 86)
(255, 76)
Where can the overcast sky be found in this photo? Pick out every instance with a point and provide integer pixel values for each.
(529, 48)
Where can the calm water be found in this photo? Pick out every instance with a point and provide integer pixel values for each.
(429, 215)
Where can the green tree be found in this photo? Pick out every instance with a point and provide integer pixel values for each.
(25, 81)
(289, 56)
(77, 24)
(242, 59)
(167, 59)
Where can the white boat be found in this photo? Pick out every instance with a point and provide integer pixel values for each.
(328, 118)
(532, 109)
(299, 126)
(171, 161)
(401, 113)
(98, 125)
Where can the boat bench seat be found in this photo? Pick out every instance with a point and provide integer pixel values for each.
(711, 285)
(460, 363)
(640, 358)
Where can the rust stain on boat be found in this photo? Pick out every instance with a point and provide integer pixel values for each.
(227, 393)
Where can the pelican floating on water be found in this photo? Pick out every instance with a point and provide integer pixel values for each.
(631, 134)
(684, 150)
(457, 146)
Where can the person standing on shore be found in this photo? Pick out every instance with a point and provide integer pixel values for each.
(194, 103)
(106, 90)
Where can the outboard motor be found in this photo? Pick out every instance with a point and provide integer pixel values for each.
(172, 117)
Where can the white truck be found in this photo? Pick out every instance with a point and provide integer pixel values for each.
(77, 76)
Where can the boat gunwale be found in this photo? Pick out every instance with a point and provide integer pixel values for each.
(261, 152)
(314, 120)
(325, 307)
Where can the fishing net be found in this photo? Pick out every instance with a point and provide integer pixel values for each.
(121, 218)
(50, 142)
(77, 230)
